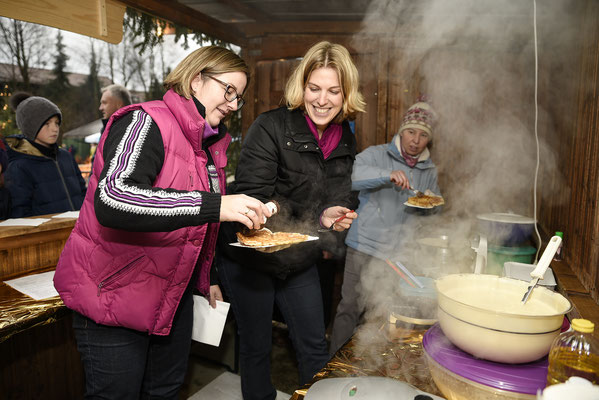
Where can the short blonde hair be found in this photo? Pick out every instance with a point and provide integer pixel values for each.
(326, 54)
(209, 60)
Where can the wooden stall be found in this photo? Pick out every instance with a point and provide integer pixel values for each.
(39, 354)
(555, 100)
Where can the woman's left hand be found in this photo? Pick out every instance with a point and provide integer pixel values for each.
(215, 294)
(339, 218)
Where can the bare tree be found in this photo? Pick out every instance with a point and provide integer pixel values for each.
(25, 46)
(110, 59)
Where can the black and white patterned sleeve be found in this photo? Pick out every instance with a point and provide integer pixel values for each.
(125, 197)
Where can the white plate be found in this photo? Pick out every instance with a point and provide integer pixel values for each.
(237, 244)
(415, 206)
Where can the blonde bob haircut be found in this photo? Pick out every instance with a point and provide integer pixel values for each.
(326, 54)
(209, 61)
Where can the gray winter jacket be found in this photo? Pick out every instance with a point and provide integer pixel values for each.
(383, 219)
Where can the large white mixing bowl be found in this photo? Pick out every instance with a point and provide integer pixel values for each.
(484, 316)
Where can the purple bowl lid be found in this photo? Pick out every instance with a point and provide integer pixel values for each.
(519, 378)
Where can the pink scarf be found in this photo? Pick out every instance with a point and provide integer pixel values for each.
(411, 161)
(330, 137)
(209, 131)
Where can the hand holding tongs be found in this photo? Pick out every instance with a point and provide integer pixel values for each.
(542, 266)
(418, 193)
(332, 227)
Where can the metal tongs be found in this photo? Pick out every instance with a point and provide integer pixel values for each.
(418, 193)
(542, 266)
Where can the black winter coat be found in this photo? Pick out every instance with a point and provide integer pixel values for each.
(280, 160)
(40, 185)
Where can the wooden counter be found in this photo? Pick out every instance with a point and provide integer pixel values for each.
(39, 354)
(569, 286)
(27, 249)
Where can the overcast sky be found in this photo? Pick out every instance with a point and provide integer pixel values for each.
(78, 50)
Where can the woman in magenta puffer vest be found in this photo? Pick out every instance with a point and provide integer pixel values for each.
(147, 230)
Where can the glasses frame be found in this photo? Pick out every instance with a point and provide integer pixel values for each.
(240, 100)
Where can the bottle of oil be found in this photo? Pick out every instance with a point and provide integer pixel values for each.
(574, 353)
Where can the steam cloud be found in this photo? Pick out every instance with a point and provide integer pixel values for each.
(475, 60)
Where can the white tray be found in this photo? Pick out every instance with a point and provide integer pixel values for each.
(521, 271)
(237, 244)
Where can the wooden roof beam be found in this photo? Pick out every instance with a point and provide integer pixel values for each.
(299, 27)
(182, 15)
(251, 12)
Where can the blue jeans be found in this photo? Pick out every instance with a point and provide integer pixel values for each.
(122, 363)
(252, 294)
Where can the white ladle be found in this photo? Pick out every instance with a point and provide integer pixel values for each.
(542, 266)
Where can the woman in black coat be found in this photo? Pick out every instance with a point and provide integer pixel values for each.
(301, 156)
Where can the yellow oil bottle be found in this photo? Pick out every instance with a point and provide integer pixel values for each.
(574, 353)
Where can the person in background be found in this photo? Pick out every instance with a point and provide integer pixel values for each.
(4, 193)
(301, 156)
(113, 98)
(41, 177)
(147, 231)
(383, 174)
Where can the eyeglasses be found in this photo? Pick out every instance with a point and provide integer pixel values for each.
(230, 93)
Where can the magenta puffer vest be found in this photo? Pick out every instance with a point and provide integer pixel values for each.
(136, 279)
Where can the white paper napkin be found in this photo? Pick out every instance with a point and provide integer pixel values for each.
(37, 286)
(24, 221)
(208, 322)
(67, 214)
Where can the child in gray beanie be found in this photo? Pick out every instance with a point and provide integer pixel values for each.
(32, 113)
(41, 177)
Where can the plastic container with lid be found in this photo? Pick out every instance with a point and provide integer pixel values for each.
(505, 229)
(414, 305)
(499, 255)
(574, 353)
(461, 376)
(522, 272)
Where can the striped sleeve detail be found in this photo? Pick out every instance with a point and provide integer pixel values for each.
(117, 194)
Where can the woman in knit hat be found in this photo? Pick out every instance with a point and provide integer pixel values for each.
(383, 174)
(41, 177)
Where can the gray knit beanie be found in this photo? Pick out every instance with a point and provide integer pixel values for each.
(32, 113)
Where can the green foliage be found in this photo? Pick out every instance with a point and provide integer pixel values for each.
(234, 126)
(61, 81)
(149, 29)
